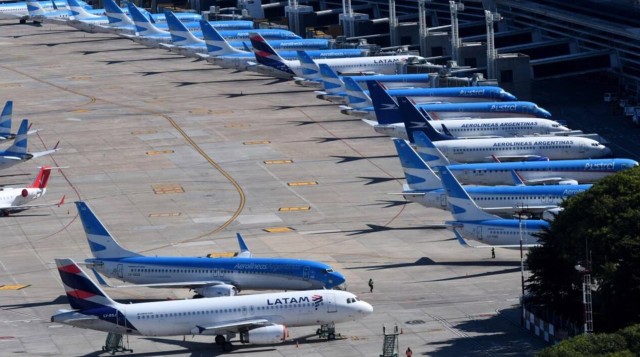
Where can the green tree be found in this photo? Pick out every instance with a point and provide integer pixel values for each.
(623, 343)
(602, 223)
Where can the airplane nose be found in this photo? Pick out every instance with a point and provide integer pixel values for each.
(365, 308)
(335, 279)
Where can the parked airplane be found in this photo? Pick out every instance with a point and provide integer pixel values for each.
(473, 223)
(270, 63)
(5, 122)
(18, 10)
(61, 16)
(388, 114)
(258, 319)
(565, 172)
(14, 199)
(17, 152)
(209, 277)
(510, 149)
(424, 187)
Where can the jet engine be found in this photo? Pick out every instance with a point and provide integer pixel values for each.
(217, 290)
(568, 182)
(267, 335)
(30, 193)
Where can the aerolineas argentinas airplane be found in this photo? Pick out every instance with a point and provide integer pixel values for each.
(424, 187)
(18, 10)
(258, 319)
(511, 149)
(17, 199)
(334, 89)
(209, 277)
(17, 152)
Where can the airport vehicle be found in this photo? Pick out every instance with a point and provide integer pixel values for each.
(503, 149)
(209, 277)
(257, 319)
(17, 199)
(270, 63)
(390, 122)
(471, 222)
(424, 187)
(564, 172)
(18, 10)
(335, 91)
(17, 152)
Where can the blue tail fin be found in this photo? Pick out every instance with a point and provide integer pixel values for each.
(78, 11)
(82, 293)
(143, 26)
(415, 121)
(309, 68)
(101, 243)
(428, 152)
(216, 44)
(461, 205)
(387, 111)
(330, 80)
(115, 15)
(5, 120)
(180, 34)
(244, 250)
(356, 97)
(418, 175)
(34, 8)
(19, 147)
(266, 55)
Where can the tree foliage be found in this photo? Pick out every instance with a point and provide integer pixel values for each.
(620, 344)
(602, 223)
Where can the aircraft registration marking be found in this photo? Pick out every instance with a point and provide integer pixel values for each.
(292, 209)
(278, 229)
(302, 183)
(165, 214)
(158, 152)
(13, 287)
(160, 189)
(256, 142)
(273, 162)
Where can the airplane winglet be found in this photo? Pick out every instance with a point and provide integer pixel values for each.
(99, 278)
(244, 250)
(55, 147)
(460, 239)
(61, 200)
(517, 179)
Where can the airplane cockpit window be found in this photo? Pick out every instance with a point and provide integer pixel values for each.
(328, 270)
(595, 144)
(555, 125)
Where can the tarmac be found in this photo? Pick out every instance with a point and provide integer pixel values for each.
(175, 156)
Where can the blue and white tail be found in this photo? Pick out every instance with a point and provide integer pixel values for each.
(78, 11)
(244, 250)
(419, 176)
(428, 152)
(19, 146)
(266, 55)
(356, 97)
(115, 15)
(101, 243)
(180, 34)
(143, 26)
(35, 9)
(216, 44)
(82, 293)
(5, 120)
(308, 66)
(414, 121)
(461, 204)
(330, 80)
(386, 109)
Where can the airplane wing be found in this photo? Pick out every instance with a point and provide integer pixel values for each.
(551, 180)
(20, 207)
(46, 152)
(232, 326)
(179, 284)
(516, 158)
(525, 209)
(464, 243)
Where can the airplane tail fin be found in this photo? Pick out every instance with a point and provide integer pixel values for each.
(101, 243)
(419, 176)
(330, 80)
(216, 44)
(244, 250)
(115, 15)
(309, 68)
(266, 55)
(79, 12)
(34, 8)
(180, 34)
(356, 97)
(143, 26)
(19, 146)
(461, 205)
(5, 119)
(82, 293)
(387, 111)
(42, 179)
(428, 152)
(415, 121)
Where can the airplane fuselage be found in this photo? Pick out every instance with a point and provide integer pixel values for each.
(501, 231)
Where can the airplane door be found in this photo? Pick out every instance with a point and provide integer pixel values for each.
(331, 303)
(119, 271)
(306, 271)
(479, 233)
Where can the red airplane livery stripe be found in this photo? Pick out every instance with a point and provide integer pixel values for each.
(72, 269)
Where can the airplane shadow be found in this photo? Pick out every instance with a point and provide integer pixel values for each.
(373, 228)
(388, 203)
(143, 60)
(93, 39)
(233, 95)
(426, 261)
(375, 180)
(40, 33)
(309, 122)
(184, 84)
(114, 50)
(153, 73)
(60, 300)
(329, 140)
(344, 159)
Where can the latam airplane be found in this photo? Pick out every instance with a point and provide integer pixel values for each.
(270, 63)
(209, 277)
(14, 199)
(471, 222)
(510, 149)
(388, 114)
(17, 152)
(257, 319)
(18, 10)
(564, 172)
(424, 187)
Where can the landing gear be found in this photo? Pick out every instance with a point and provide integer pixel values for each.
(222, 341)
(327, 331)
(23, 21)
(227, 347)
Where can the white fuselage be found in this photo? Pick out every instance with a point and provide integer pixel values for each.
(499, 234)
(381, 64)
(12, 197)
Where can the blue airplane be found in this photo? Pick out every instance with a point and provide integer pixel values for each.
(19, 10)
(565, 172)
(209, 277)
(471, 222)
(5, 122)
(424, 187)
(17, 152)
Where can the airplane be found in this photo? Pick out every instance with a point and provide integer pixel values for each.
(259, 319)
(503, 149)
(471, 222)
(270, 63)
(424, 187)
(17, 152)
(5, 122)
(563, 172)
(61, 16)
(18, 10)
(14, 199)
(208, 277)
(389, 122)
(335, 91)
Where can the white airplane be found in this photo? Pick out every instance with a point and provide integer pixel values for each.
(503, 149)
(389, 122)
(272, 64)
(17, 199)
(18, 10)
(257, 319)
(17, 152)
